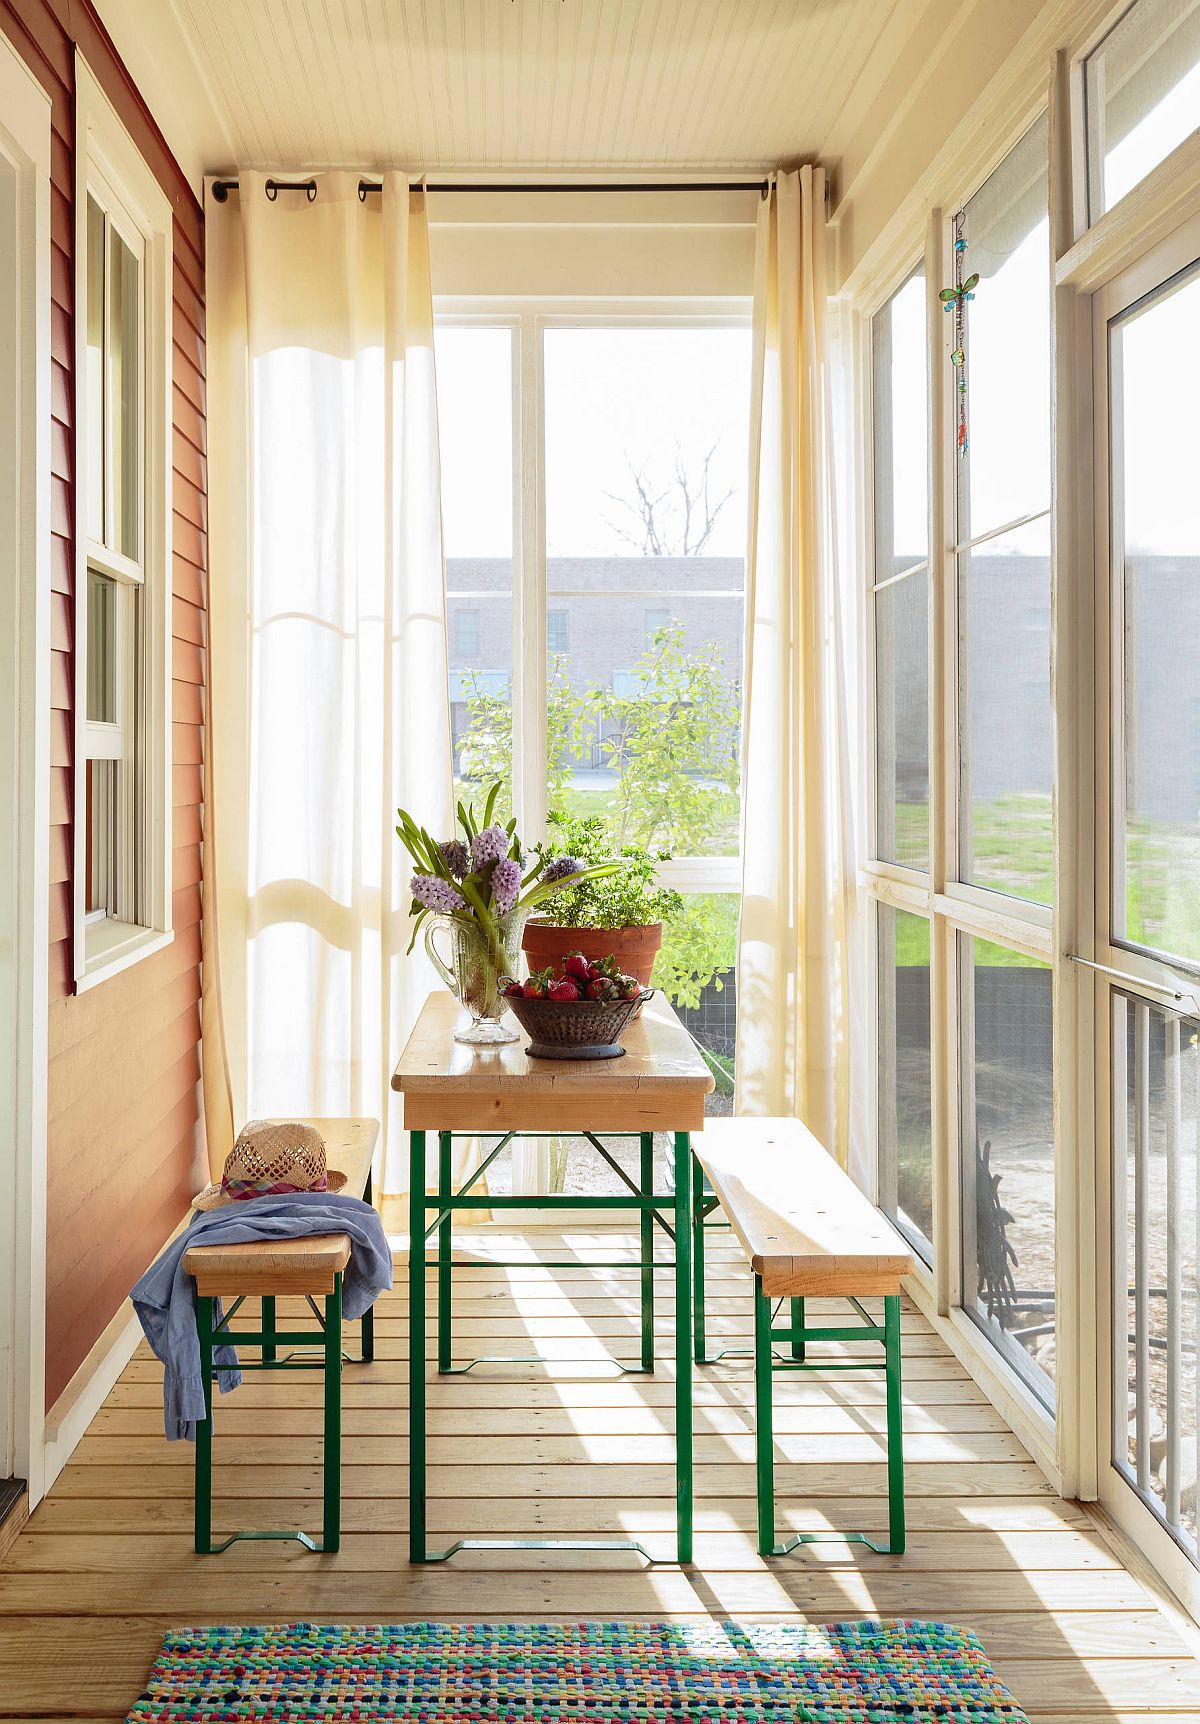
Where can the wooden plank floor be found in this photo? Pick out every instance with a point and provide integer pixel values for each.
(569, 1447)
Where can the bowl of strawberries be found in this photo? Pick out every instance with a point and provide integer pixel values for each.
(577, 1010)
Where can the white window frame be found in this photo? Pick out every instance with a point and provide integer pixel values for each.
(1076, 1451)
(527, 323)
(109, 165)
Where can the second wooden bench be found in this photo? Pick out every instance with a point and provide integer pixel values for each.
(809, 1232)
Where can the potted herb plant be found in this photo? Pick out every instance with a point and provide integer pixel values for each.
(598, 913)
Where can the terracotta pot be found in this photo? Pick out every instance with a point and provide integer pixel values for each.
(633, 948)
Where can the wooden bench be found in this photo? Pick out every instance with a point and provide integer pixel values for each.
(311, 1268)
(808, 1231)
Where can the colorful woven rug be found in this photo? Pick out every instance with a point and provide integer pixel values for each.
(577, 1673)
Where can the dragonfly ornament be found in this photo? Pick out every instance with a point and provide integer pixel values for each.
(954, 300)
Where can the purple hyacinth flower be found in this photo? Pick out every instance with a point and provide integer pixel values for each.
(561, 869)
(456, 857)
(436, 894)
(488, 846)
(506, 883)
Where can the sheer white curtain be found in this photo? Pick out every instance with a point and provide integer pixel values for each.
(327, 640)
(797, 952)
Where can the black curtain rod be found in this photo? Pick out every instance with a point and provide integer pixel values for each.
(222, 188)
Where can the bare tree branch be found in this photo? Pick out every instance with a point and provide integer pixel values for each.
(675, 522)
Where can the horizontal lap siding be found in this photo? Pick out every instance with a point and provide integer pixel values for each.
(124, 1110)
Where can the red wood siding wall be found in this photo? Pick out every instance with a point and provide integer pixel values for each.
(124, 1107)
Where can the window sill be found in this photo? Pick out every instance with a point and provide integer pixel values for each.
(113, 946)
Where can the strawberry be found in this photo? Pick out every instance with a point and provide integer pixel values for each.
(564, 990)
(602, 988)
(628, 987)
(539, 984)
(576, 966)
(514, 990)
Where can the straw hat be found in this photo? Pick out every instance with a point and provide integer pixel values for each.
(270, 1158)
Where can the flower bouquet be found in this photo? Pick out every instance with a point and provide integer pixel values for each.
(477, 888)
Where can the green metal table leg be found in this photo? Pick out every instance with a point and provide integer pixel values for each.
(764, 1434)
(204, 1328)
(416, 1348)
(332, 1525)
(891, 1324)
(444, 1248)
(698, 1260)
(647, 1243)
(798, 1323)
(683, 1345)
(368, 1316)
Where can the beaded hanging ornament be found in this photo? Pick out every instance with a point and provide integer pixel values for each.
(954, 299)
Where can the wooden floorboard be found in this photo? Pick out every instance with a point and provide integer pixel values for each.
(564, 1447)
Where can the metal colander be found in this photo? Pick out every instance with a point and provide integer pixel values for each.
(575, 1029)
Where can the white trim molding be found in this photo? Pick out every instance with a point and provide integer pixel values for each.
(24, 760)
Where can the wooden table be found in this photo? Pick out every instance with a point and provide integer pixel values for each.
(448, 1088)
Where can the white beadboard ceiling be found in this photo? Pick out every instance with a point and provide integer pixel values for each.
(540, 87)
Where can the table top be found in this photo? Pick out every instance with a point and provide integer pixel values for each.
(659, 1083)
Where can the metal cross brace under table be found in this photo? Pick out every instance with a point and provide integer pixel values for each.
(639, 1194)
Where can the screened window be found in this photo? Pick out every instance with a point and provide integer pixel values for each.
(900, 384)
(1154, 366)
(1006, 1032)
(123, 586)
(1003, 529)
(903, 1075)
(1143, 96)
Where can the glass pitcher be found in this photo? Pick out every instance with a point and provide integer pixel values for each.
(473, 972)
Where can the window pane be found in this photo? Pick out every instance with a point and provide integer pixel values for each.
(696, 970)
(902, 721)
(101, 835)
(1155, 382)
(1143, 96)
(1005, 474)
(1005, 737)
(646, 453)
(900, 417)
(124, 364)
(101, 649)
(95, 371)
(474, 376)
(905, 1126)
(1156, 1128)
(1006, 1029)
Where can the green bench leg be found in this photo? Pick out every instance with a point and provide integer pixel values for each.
(647, 1252)
(368, 1316)
(798, 1323)
(203, 1506)
(444, 1257)
(698, 1337)
(416, 1348)
(332, 1527)
(895, 1426)
(764, 1434)
(270, 1351)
